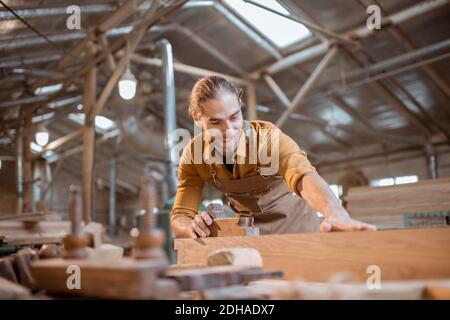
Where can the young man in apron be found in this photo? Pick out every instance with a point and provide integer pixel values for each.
(282, 199)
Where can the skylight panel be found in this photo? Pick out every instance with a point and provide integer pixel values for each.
(102, 124)
(280, 30)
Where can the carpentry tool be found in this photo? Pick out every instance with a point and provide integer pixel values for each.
(75, 243)
(224, 226)
(138, 277)
(149, 241)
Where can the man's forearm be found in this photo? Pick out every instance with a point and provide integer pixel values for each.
(319, 196)
(181, 227)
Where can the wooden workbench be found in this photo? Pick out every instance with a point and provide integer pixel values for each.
(404, 254)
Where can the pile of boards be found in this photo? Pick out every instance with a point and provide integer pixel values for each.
(422, 204)
(33, 228)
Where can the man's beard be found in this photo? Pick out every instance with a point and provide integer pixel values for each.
(228, 147)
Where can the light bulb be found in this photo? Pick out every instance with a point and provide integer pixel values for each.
(42, 136)
(127, 85)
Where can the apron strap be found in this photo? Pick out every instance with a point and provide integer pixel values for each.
(250, 143)
(212, 172)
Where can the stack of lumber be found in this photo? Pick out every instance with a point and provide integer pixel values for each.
(404, 254)
(424, 203)
(24, 233)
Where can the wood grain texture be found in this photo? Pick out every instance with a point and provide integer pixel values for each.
(426, 195)
(401, 254)
(125, 278)
(218, 276)
(226, 227)
(22, 233)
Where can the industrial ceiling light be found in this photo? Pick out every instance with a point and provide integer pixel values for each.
(42, 135)
(127, 85)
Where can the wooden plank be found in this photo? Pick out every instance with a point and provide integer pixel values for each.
(400, 208)
(394, 187)
(218, 276)
(124, 278)
(26, 233)
(399, 221)
(424, 203)
(401, 254)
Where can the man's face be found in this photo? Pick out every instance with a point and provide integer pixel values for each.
(222, 117)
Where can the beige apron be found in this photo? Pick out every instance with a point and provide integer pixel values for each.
(275, 208)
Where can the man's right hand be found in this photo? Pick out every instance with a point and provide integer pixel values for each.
(199, 225)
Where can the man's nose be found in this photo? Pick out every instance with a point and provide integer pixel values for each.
(227, 125)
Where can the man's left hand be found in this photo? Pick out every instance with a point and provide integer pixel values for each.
(343, 222)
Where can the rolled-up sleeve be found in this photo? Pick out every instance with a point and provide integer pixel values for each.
(190, 188)
(294, 163)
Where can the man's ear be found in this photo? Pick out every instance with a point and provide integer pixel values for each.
(197, 121)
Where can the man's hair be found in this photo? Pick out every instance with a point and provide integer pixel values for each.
(211, 88)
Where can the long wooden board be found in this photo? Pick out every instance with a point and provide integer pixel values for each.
(422, 196)
(26, 233)
(124, 278)
(404, 254)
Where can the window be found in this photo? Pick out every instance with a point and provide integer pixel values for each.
(48, 89)
(102, 124)
(406, 179)
(280, 30)
(35, 148)
(393, 181)
(383, 182)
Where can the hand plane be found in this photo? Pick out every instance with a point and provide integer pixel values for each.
(224, 226)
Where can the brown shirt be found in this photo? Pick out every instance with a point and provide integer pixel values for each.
(194, 171)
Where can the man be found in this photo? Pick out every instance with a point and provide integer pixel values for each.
(282, 195)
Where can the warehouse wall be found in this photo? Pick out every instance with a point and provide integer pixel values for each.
(385, 167)
(58, 200)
